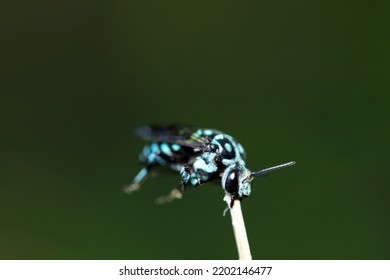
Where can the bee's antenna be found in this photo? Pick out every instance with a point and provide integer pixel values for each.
(264, 172)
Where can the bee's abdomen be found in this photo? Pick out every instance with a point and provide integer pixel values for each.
(163, 153)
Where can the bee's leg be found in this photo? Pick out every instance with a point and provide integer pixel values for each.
(185, 173)
(229, 207)
(229, 199)
(188, 177)
(141, 176)
(174, 194)
(183, 187)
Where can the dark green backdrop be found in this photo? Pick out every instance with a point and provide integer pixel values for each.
(291, 80)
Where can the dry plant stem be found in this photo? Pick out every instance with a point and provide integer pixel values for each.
(244, 252)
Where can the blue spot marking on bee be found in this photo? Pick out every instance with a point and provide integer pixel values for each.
(154, 148)
(194, 181)
(207, 132)
(151, 157)
(240, 148)
(228, 147)
(165, 149)
(175, 147)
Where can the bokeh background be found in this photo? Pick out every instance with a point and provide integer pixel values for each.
(291, 80)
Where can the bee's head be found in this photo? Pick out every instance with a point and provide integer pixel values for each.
(237, 179)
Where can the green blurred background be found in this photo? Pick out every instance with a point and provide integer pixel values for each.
(291, 80)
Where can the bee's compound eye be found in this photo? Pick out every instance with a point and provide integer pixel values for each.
(231, 183)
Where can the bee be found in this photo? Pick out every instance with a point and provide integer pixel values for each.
(200, 156)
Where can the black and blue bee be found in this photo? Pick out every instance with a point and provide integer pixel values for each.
(201, 156)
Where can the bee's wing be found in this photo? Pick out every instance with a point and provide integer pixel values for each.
(175, 134)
